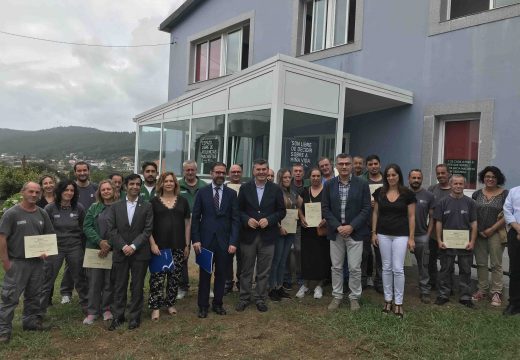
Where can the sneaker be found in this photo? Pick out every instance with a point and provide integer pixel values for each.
(318, 292)
(467, 303)
(274, 295)
(354, 305)
(496, 300)
(334, 304)
(89, 320)
(65, 299)
(302, 291)
(181, 294)
(425, 298)
(107, 315)
(441, 301)
(370, 281)
(283, 294)
(479, 295)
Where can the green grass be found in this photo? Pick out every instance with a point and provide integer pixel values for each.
(293, 329)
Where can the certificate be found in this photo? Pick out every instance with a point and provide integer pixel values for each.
(289, 221)
(313, 214)
(92, 260)
(235, 187)
(455, 239)
(37, 245)
(373, 188)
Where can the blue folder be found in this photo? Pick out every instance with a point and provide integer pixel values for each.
(163, 262)
(205, 260)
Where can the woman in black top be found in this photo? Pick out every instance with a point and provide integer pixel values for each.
(171, 230)
(393, 229)
(48, 184)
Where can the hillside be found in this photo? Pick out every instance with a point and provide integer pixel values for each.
(55, 143)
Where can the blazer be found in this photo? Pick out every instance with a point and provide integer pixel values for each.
(208, 223)
(121, 233)
(357, 209)
(272, 207)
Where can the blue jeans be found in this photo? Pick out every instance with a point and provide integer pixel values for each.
(282, 247)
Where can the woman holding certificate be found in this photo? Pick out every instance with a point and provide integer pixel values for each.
(287, 226)
(393, 229)
(95, 227)
(171, 232)
(492, 237)
(67, 217)
(315, 246)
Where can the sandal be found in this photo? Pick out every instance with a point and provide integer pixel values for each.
(172, 310)
(398, 311)
(387, 307)
(155, 315)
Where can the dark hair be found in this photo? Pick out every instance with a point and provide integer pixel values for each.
(81, 163)
(279, 176)
(414, 170)
(260, 162)
(501, 179)
(386, 186)
(45, 176)
(61, 187)
(359, 157)
(111, 176)
(442, 165)
(343, 156)
(132, 177)
(148, 163)
(218, 163)
(323, 158)
(372, 157)
(297, 165)
(314, 168)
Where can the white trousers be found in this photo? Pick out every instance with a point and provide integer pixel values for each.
(393, 251)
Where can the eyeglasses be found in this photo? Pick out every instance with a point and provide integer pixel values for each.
(488, 177)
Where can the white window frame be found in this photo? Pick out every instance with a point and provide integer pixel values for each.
(330, 24)
(223, 53)
(492, 6)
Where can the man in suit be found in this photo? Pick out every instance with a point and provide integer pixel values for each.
(262, 207)
(346, 207)
(130, 226)
(215, 225)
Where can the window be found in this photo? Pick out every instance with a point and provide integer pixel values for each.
(175, 145)
(460, 8)
(222, 54)
(207, 136)
(149, 143)
(328, 23)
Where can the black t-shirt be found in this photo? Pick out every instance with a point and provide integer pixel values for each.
(168, 224)
(392, 217)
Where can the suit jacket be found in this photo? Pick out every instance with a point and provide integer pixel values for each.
(122, 233)
(357, 209)
(272, 207)
(208, 223)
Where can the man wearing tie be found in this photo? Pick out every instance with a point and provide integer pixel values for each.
(262, 207)
(130, 226)
(215, 226)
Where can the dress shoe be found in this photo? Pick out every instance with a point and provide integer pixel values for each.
(241, 306)
(441, 301)
(115, 324)
(203, 312)
(283, 294)
(36, 326)
(274, 296)
(467, 303)
(511, 310)
(261, 306)
(219, 310)
(133, 324)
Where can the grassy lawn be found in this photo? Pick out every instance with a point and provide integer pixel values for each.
(292, 329)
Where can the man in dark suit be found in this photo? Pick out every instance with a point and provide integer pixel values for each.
(346, 207)
(130, 226)
(215, 225)
(262, 207)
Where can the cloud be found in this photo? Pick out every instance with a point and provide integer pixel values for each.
(45, 85)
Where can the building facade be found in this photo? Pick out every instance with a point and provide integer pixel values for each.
(416, 82)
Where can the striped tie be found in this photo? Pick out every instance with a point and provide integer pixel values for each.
(216, 198)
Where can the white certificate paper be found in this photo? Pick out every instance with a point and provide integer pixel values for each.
(373, 188)
(455, 239)
(37, 245)
(313, 214)
(93, 261)
(289, 221)
(235, 187)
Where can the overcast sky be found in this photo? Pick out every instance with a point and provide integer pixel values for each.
(43, 85)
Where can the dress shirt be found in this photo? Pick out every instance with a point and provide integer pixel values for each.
(343, 197)
(130, 209)
(512, 206)
(259, 191)
(220, 192)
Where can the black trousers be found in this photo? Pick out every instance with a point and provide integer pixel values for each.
(221, 259)
(513, 249)
(121, 272)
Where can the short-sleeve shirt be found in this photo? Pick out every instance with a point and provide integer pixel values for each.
(438, 193)
(424, 203)
(456, 213)
(488, 210)
(169, 230)
(392, 217)
(87, 195)
(18, 223)
(68, 224)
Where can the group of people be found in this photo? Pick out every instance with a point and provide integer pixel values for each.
(366, 214)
